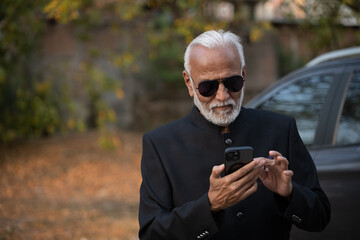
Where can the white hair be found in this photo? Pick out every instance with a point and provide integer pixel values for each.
(212, 39)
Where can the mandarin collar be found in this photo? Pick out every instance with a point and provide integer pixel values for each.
(201, 122)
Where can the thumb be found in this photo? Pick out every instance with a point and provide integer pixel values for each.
(217, 170)
(288, 174)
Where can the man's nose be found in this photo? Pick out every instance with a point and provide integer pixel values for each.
(222, 93)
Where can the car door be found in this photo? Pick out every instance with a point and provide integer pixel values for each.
(338, 163)
(325, 103)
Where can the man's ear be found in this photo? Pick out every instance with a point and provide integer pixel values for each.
(188, 83)
(244, 76)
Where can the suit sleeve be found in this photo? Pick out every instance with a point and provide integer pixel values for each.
(309, 208)
(158, 217)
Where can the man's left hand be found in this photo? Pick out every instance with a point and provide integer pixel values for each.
(276, 176)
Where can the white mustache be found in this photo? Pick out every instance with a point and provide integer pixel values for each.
(221, 104)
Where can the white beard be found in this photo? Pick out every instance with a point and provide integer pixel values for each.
(225, 117)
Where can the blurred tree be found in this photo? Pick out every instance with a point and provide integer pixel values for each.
(171, 25)
(26, 104)
(327, 22)
(30, 103)
(155, 33)
(322, 26)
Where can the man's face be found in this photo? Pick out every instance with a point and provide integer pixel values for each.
(209, 64)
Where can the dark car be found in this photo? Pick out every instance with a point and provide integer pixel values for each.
(324, 98)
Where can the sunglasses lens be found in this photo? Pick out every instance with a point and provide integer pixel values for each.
(234, 83)
(208, 88)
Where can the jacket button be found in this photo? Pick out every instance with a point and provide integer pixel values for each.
(203, 235)
(240, 215)
(228, 141)
(296, 219)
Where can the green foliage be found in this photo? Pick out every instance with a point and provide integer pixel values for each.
(324, 24)
(288, 61)
(30, 103)
(322, 30)
(174, 24)
(35, 101)
(26, 105)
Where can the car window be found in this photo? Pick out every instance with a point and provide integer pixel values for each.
(349, 127)
(302, 100)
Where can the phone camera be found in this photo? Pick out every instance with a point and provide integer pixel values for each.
(233, 156)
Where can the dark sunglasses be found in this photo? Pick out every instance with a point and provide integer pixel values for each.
(208, 88)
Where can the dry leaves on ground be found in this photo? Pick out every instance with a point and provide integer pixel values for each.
(70, 188)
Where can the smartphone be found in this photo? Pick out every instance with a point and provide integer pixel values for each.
(237, 157)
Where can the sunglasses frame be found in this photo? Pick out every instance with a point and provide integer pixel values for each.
(218, 81)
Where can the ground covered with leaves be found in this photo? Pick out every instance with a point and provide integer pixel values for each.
(69, 187)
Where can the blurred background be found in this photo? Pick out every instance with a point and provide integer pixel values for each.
(81, 80)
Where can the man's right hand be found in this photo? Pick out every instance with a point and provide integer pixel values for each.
(227, 191)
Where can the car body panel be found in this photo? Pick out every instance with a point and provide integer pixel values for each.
(338, 165)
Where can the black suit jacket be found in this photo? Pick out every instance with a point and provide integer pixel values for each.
(176, 165)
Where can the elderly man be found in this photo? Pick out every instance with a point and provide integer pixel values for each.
(184, 193)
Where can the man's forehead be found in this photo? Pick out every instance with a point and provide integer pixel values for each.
(201, 56)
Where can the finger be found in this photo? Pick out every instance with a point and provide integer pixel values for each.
(277, 167)
(274, 153)
(239, 195)
(246, 191)
(264, 174)
(248, 180)
(262, 168)
(247, 183)
(261, 162)
(288, 174)
(245, 170)
(265, 162)
(217, 170)
(282, 161)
